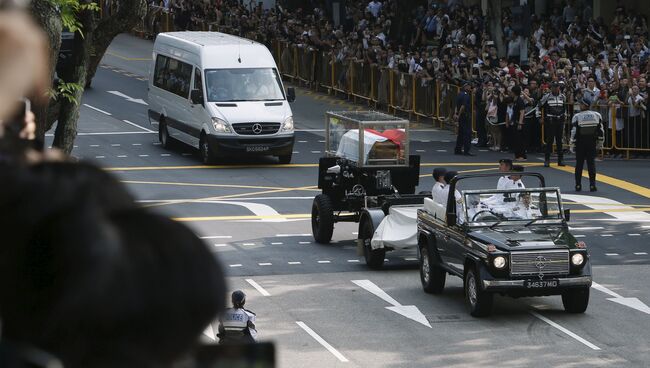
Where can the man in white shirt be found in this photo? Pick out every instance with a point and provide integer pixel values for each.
(443, 196)
(374, 7)
(439, 185)
(513, 181)
(505, 165)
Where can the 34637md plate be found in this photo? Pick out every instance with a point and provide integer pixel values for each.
(541, 284)
(257, 148)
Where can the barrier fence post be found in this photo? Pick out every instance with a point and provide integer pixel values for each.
(414, 94)
(391, 93)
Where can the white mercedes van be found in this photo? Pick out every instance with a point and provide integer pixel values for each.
(221, 94)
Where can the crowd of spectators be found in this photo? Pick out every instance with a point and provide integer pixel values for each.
(449, 43)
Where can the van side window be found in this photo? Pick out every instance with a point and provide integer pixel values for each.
(177, 77)
(159, 74)
(198, 83)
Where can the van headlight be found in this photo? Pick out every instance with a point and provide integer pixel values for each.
(220, 126)
(287, 126)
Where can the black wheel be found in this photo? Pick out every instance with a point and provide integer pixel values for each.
(163, 135)
(478, 301)
(285, 159)
(576, 300)
(322, 219)
(374, 257)
(207, 154)
(431, 275)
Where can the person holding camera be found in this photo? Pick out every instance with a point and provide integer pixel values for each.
(554, 113)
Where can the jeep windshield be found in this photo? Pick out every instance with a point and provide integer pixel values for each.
(243, 84)
(504, 207)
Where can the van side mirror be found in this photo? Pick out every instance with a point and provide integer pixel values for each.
(291, 94)
(196, 97)
(567, 215)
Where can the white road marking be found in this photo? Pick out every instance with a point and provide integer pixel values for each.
(604, 204)
(165, 155)
(304, 242)
(143, 155)
(157, 143)
(321, 341)
(633, 303)
(353, 261)
(235, 265)
(408, 311)
(606, 235)
(216, 237)
(579, 236)
(355, 233)
(122, 156)
(138, 126)
(98, 110)
(324, 262)
(646, 226)
(315, 151)
(221, 245)
(209, 332)
(640, 253)
(420, 151)
(321, 141)
(265, 264)
(410, 259)
(94, 145)
(586, 228)
(611, 254)
(634, 234)
(290, 235)
(425, 141)
(294, 263)
(258, 287)
(115, 145)
(571, 334)
(100, 156)
(136, 144)
(302, 141)
(128, 98)
(277, 243)
(248, 244)
(296, 152)
(441, 150)
(105, 133)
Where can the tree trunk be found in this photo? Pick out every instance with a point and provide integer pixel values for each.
(47, 16)
(128, 16)
(66, 129)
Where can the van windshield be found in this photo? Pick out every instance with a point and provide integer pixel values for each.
(229, 85)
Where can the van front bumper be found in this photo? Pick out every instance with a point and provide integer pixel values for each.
(238, 145)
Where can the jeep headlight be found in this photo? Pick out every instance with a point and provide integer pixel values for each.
(577, 259)
(287, 126)
(220, 126)
(499, 262)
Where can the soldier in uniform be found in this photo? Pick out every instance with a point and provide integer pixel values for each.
(237, 324)
(587, 136)
(554, 107)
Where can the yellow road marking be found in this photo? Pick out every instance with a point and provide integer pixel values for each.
(307, 215)
(279, 166)
(210, 185)
(127, 58)
(634, 188)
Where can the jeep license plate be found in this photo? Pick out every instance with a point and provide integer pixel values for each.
(541, 284)
(257, 148)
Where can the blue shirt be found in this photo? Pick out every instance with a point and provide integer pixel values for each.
(463, 99)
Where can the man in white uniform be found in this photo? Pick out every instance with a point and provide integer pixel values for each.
(443, 195)
(439, 178)
(512, 181)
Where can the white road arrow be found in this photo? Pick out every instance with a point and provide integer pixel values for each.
(128, 98)
(619, 211)
(408, 311)
(209, 332)
(633, 303)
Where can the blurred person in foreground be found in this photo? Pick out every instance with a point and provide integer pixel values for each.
(91, 278)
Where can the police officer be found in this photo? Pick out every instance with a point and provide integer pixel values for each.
(554, 107)
(237, 324)
(587, 136)
(462, 115)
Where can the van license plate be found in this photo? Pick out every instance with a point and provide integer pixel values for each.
(541, 284)
(257, 148)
